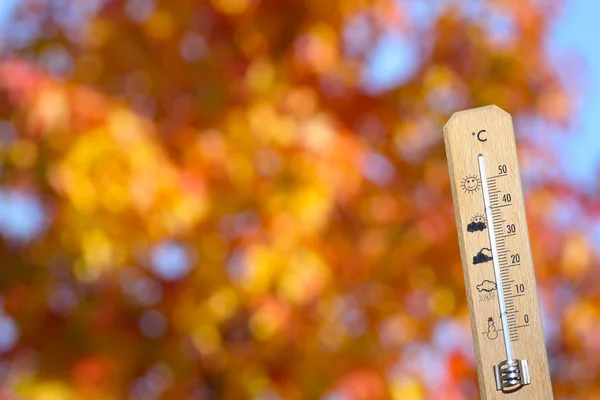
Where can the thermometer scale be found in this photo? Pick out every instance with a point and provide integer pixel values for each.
(496, 256)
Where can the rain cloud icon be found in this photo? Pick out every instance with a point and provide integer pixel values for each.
(486, 286)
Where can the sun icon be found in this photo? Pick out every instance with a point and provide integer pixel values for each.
(478, 218)
(470, 184)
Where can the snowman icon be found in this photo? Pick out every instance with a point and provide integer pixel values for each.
(491, 333)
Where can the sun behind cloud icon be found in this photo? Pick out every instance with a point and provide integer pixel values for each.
(477, 224)
(470, 184)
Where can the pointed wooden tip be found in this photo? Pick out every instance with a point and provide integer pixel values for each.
(491, 109)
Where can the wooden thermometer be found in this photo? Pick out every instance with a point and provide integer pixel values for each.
(496, 256)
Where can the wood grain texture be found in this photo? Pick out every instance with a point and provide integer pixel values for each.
(489, 131)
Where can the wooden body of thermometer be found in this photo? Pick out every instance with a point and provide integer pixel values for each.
(496, 256)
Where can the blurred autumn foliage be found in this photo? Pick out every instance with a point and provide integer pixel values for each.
(220, 200)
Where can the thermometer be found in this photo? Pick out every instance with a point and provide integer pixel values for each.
(496, 256)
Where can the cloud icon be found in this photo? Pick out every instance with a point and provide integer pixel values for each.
(476, 226)
(482, 257)
(486, 286)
